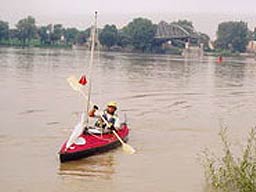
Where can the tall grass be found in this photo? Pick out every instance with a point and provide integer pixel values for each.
(231, 172)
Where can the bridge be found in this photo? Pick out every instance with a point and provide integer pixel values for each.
(168, 32)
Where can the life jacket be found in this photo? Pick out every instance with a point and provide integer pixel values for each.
(100, 123)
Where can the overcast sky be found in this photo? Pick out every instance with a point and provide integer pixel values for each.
(120, 12)
(127, 6)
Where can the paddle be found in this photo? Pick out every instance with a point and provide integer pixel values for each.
(74, 83)
(127, 148)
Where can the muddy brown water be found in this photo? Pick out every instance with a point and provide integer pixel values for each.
(174, 106)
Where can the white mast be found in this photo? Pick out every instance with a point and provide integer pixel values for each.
(93, 35)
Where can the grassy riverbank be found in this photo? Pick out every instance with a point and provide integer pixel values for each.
(32, 43)
(231, 171)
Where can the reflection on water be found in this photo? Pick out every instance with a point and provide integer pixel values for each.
(31, 111)
(174, 107)
(99, 166)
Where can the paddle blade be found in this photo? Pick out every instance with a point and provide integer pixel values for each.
(128, 149)
(74, 83)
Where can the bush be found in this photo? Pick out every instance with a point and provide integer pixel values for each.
(230, 173)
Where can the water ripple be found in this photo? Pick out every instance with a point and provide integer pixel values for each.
(30, 111)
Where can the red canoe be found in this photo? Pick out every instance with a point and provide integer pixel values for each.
(92, 144)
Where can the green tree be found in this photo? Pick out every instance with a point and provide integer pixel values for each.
(123, 38)
(141, 33)
(108, 35)
(82, 37)
(26, 29)
(233, 36)
(57, 33)
(44, 33)
(4, 30)
(13, 34)
(71, 35)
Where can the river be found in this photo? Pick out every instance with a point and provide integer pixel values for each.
(175, 107)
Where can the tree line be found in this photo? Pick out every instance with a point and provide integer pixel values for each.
(136, 35)
(26, 33)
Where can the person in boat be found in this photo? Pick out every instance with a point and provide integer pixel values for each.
(109, 115)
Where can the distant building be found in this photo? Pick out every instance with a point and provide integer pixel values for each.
(251, 47)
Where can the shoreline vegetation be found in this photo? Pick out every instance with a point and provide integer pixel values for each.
(140, 36)
(231, 170)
